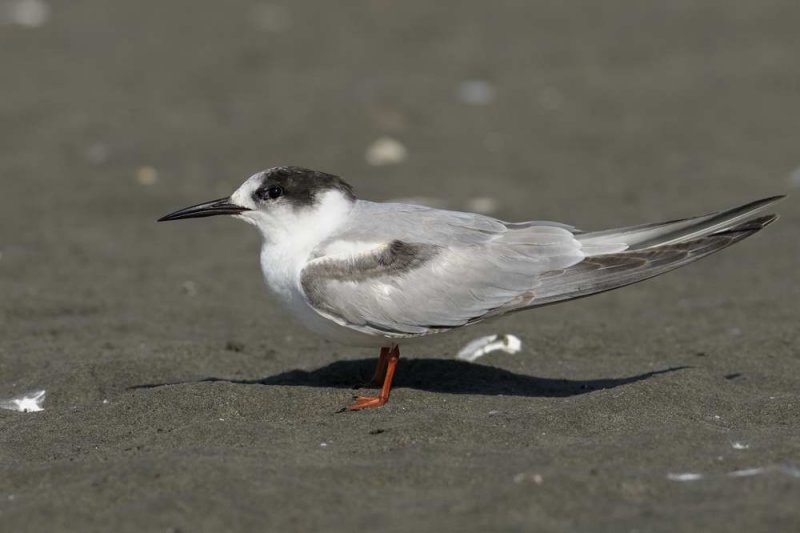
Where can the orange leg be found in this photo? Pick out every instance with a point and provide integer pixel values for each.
(364, 402)
(380, 369)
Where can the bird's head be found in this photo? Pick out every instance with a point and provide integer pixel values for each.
(280, 200)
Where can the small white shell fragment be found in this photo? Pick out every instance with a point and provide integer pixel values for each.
(684, 476)
(27, 13)
(476, 92)
(483, 205)
(747, 472)
(740, 446)
(527, 477)
(789, 470)
(385, 151)
(146, 176)
(30, 402)
(491, 343)
(794, 178)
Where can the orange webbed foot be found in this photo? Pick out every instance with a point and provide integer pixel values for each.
(366, 402)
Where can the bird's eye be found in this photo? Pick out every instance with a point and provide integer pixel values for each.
(269, 193)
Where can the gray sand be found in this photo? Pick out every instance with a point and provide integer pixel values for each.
(602, 114)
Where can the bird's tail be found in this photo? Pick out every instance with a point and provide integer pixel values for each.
(643, 252)
(676, 231)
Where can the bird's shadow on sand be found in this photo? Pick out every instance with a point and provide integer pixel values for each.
(434, 375)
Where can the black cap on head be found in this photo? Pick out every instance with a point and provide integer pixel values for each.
(299, 186)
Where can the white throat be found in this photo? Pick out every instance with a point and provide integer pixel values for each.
(290, 235)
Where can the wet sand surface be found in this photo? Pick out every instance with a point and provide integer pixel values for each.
(179, 398)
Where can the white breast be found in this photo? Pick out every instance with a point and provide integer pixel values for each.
(281, 268)
(289, 239)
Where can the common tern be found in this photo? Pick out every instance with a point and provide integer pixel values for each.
(377, 274)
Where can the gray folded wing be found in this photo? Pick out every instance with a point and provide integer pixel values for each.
(429, 269)
(435, 270)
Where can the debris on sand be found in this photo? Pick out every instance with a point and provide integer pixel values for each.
(794, 178)
(685, 476)
(30, 402)
(788, 470)
(747, 472)
(491, 343)
(26, 13)
(483, 205)
(385, 151)
(525, 477)
(146, 176)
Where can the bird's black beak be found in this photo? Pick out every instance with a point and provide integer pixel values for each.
(223, 206)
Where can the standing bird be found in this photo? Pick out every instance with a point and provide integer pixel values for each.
(374, 274)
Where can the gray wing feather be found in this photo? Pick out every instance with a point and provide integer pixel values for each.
(371, 221)
(439, 288)
(449, 269)
(605, 272)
